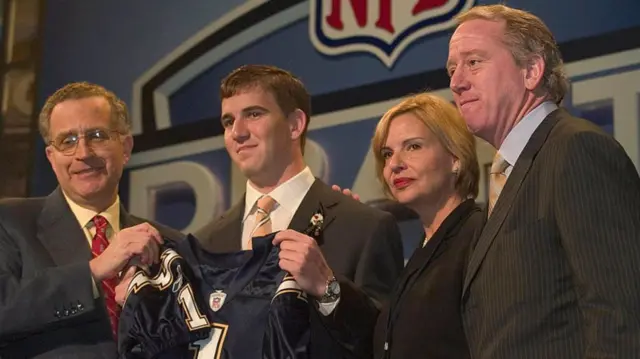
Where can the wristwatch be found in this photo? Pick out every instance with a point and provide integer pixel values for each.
(331, 292)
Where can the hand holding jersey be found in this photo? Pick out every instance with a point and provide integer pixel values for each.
(301, 256)
(137, 244)
(198, 304)
(245, 290)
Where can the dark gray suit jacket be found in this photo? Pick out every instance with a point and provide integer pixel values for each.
(423, 318)
(362, 245)
(47, 309)
(556, 270)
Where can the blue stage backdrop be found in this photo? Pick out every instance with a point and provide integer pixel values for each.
(357, 57)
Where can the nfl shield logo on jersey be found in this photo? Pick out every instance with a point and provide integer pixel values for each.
(382, 27)
(216, 300)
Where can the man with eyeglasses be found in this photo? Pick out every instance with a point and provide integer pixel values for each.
(61, 256)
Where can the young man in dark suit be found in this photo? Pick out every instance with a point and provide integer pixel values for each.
(555, 271)
(265, 114)
(61, 255)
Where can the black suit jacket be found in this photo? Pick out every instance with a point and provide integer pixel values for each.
(47, 309)
(423, 319)
(362, 245)
(556, 270)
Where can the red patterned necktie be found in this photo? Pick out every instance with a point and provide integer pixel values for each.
(98, 246)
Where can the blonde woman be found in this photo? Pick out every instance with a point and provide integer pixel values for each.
(426, 160)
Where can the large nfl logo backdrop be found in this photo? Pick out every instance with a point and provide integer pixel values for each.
(357, 58)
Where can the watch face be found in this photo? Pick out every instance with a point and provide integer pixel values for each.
(334, 287)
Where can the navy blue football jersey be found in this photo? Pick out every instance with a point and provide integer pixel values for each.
(197, 304)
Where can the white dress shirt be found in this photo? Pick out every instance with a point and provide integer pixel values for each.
(288, 196)
(517, 139)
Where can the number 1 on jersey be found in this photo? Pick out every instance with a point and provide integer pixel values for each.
(211, 347)
(195, 319)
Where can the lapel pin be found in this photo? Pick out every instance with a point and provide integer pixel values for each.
(315, 223)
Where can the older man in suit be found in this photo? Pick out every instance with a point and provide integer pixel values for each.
(353, 266)
(555, 272)
(60, 256)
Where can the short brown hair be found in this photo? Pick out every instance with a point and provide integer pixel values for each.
(526, 36)
(79, 90)
(445, 122)
(288, 91)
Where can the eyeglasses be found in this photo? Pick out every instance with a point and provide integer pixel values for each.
(67, 143)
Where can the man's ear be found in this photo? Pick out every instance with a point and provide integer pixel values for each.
(49, 152)
(127, 144)
(534, 72)
(297, 123)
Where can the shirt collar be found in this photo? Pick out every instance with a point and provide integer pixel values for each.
(85, 215)
(515, 141)
(288, 195)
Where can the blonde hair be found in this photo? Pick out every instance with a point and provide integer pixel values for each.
(526, 36)
(445, 122)
(80, 90)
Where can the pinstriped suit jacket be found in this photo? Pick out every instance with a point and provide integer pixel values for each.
(555, 273)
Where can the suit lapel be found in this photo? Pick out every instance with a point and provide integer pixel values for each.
(509, 192)
(127, 220)
(319, 197)
(419, 261)
(60, 233)
(229, 230)
(422, 257)
(448, 229)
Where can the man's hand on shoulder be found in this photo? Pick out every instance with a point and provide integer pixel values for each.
(138, 244)
(346, 192)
